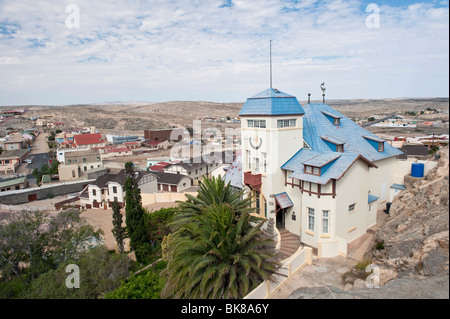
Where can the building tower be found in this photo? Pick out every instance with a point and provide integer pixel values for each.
(272, 132)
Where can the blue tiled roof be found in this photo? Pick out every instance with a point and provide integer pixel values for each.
(272, 102)
(354, 137)
(336, 169)
(319, 131)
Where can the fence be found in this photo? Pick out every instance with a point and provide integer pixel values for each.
(149, 199)
(290, 266)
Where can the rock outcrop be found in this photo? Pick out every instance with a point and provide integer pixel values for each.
(414, 239)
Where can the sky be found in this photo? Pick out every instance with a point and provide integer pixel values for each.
(73, 52)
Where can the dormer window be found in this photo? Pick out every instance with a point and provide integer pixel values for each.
(312, 170)
(376, 142)
(335, 119)
(334, 144)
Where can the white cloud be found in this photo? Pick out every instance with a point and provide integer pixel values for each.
(175, 50)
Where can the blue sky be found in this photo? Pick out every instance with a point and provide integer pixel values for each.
(218, 50)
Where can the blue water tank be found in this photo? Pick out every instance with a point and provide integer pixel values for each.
(417, 169)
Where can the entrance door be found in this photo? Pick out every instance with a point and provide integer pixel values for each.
(281, 220)
(32, 197)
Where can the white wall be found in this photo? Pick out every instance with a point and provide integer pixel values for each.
(353, 188)
(381, 178)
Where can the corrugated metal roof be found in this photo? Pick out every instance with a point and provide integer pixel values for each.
(398, 186)
(284, 200)
(234, 173)
(272, 102)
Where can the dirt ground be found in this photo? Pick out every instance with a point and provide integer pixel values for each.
(40, 145)
(102, 219)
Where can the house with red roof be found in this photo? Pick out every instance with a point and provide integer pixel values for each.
(88, 141)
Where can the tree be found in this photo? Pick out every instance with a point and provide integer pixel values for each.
(100, 272)
(157, 224)
(211, 191)
(134, 214)
(33, 243)
(220, 255)
(119, 232)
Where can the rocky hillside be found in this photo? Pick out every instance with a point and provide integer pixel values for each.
(414, 241)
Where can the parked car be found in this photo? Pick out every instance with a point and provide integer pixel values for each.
(28, 161)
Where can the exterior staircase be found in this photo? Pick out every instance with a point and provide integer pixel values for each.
(290, 243)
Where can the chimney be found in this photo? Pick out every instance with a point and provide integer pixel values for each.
(93, 130)
(323, 95)
(309, 98)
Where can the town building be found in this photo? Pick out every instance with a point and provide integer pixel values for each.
(14, 184)
(110, 187)
(174, 183)
(10, 160)
(78, 164)
(162, 135)
(195, 168)
(88, 141)
(313, 171)
(15, 142)
(121, 139)
(112, 152)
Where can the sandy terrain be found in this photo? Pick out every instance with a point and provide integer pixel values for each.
(102, 219)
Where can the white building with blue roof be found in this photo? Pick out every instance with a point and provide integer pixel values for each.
(313, 171)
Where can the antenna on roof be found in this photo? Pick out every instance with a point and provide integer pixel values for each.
(270, 63)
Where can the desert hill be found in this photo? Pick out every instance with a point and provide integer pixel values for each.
(137, 116)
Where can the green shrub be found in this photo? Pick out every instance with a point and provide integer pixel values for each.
(379, 245)
(146, 285)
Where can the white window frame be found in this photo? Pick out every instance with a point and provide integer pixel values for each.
(286, 123)
(264, 156)
(256, 165)
(325, 221)
(311, 219)
(256, 123)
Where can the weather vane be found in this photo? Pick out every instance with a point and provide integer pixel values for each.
(322, 87)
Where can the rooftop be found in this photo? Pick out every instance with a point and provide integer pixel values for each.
(87, 139)
(13, 154)
(272, 102)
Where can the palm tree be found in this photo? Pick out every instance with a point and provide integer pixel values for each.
(219, 255)
(211, 191)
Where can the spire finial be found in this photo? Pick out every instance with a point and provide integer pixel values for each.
(270, 63)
